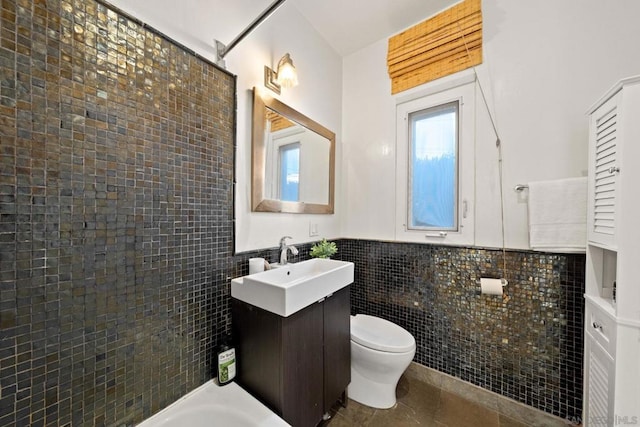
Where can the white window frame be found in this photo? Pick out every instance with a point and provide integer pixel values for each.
(462, 90)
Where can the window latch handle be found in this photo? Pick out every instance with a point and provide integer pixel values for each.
(464, 209)
(440, 235)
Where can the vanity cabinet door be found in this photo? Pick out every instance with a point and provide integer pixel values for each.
(337, 347)
(302, 367)
(280, 360)
(258, 339)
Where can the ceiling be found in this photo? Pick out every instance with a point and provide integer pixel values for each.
(347, 25)
(350, 25)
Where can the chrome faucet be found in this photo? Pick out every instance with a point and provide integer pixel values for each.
(284, 248)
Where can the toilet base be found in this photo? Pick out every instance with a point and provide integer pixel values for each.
(377, 368)
(371, 393)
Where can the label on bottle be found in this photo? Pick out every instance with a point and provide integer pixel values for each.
(226, 366)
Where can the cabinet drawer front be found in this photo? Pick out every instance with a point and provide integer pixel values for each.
(601, 327)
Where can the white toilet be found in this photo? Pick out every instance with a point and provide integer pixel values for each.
(380, 353)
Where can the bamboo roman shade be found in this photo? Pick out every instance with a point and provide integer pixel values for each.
(277, 121)
(436, 47)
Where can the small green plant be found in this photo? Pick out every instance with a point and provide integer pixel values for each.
(323, 249)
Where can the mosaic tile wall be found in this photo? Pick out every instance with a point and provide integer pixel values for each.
(116, 239)
(527, 346)
(240, 266)
(116, 175)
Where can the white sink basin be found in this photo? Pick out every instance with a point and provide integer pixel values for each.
(292, 287)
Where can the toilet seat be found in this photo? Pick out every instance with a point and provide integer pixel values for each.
(380, 334)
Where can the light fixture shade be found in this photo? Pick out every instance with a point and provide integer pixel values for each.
(287, 74)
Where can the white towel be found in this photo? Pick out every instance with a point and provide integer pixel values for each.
(558, 215)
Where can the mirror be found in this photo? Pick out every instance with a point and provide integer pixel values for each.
(293, 160)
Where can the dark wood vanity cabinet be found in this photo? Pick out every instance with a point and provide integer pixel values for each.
(300, 365)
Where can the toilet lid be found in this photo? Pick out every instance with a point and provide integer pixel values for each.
(380, 334)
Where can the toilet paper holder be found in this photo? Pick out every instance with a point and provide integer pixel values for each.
(492, 286)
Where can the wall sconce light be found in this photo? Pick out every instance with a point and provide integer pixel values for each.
(286, 75)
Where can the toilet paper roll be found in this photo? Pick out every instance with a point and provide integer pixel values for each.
(256, 265)
(491, 286)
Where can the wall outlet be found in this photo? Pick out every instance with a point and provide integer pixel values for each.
(313, 229)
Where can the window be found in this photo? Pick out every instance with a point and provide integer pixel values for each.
(435, 166)
(290, 172)
(433, 161)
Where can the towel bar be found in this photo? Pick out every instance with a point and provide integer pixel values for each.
(520, 187)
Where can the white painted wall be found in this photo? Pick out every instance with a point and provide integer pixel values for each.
(319, 94)
(544, 64)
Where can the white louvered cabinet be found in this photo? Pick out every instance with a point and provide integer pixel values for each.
(599, 343)
(604, 152)
(612, 277)
(600, 375)
(599, 395)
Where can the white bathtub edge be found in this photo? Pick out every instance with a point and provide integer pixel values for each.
(228, 396)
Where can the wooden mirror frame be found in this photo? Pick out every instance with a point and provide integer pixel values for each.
(262, 101)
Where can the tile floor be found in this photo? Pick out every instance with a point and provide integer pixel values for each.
(421, 403)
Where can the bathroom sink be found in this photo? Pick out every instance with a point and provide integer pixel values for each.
(292, 287)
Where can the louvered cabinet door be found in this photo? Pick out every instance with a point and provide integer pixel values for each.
(599, 385)
(604, 155)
